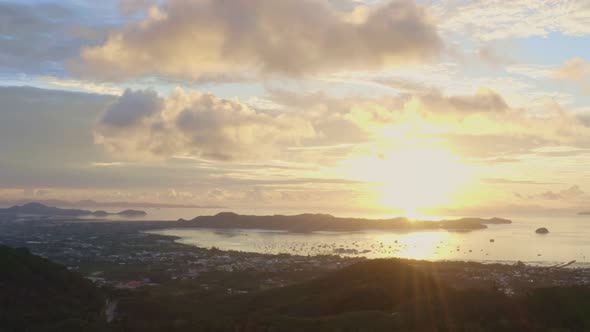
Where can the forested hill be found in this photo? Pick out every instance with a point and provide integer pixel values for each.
(38, 295)
(374, 295)
(325, 222)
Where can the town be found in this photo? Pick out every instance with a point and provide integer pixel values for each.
(123, 255)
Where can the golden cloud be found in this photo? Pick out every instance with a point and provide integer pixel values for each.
(211, 39)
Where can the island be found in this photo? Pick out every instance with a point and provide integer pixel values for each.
(132, 213)
(324, 222)
(38, 209)
(542, 230)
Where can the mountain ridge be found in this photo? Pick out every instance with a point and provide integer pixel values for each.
(35, 208)
(310, 222)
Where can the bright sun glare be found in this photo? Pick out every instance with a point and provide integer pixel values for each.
(411, 179)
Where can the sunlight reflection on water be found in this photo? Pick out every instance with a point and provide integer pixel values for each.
(567, 241)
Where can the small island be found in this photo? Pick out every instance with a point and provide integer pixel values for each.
(132, 213)
(542, 230)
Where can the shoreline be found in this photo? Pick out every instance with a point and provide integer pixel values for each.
(162, 225)
(124, 255)
(546, 264)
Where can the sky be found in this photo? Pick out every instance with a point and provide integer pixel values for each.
(403, 107)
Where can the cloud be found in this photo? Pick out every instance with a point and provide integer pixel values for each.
(45, 128)
(131, 108)
(482, 125)
(141, 124)
(498, 19)
(585, 119)
(130, 7)
(33, 36)
(46, 135)
(323, 130)
(38, 37)
(81, 85)
(576, 69)
(510, 181)
(490, 56)
(569, 193)
(402, 85)
(210, 39)
(531, 71)
(484, 100)
(297, 148)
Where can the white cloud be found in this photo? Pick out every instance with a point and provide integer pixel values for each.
(488, 20)
(82, 85)
(576, 69)
(532, 71)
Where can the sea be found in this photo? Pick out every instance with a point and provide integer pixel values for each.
(568, 240)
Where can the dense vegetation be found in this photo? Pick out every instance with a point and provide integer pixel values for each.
(377, 295)
(38, 295)
(325, 222)
(374, 295)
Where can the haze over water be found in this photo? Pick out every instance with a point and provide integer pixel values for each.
(566, 241)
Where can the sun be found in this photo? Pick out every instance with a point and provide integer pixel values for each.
(411, 180)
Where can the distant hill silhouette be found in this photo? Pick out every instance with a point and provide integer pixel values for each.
(38, 295)
(88, 203)
(132, 213)
(44, 210)
(326, 222)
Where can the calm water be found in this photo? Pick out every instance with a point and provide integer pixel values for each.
(569, 239)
